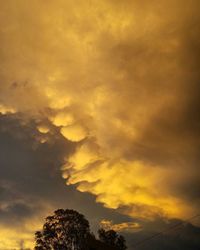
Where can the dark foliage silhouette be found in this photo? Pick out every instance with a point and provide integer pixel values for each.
(112, 238)
(69, 230)
(66, 229)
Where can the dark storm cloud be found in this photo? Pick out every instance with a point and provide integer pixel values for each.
(175, 235)
(31, 185)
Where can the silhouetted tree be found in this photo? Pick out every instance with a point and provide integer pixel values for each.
(65, 230)
(69, 230)
(112, 238)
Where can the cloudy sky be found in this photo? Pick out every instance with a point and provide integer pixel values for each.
(99, 112)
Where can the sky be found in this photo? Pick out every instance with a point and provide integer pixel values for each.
(99, 112)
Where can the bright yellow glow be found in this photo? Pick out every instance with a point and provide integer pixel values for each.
(13, 237)
(62, 119)
(111, 77)
(4, 110)
(43, 129)
(74, 133)
(125, 226)
(129, 184)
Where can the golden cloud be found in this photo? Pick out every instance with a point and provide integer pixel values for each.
(125, 226)
(119, 79)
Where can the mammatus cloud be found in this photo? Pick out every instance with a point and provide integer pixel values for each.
(31, 185)
(121, 81)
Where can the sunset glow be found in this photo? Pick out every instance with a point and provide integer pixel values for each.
(107, 94)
